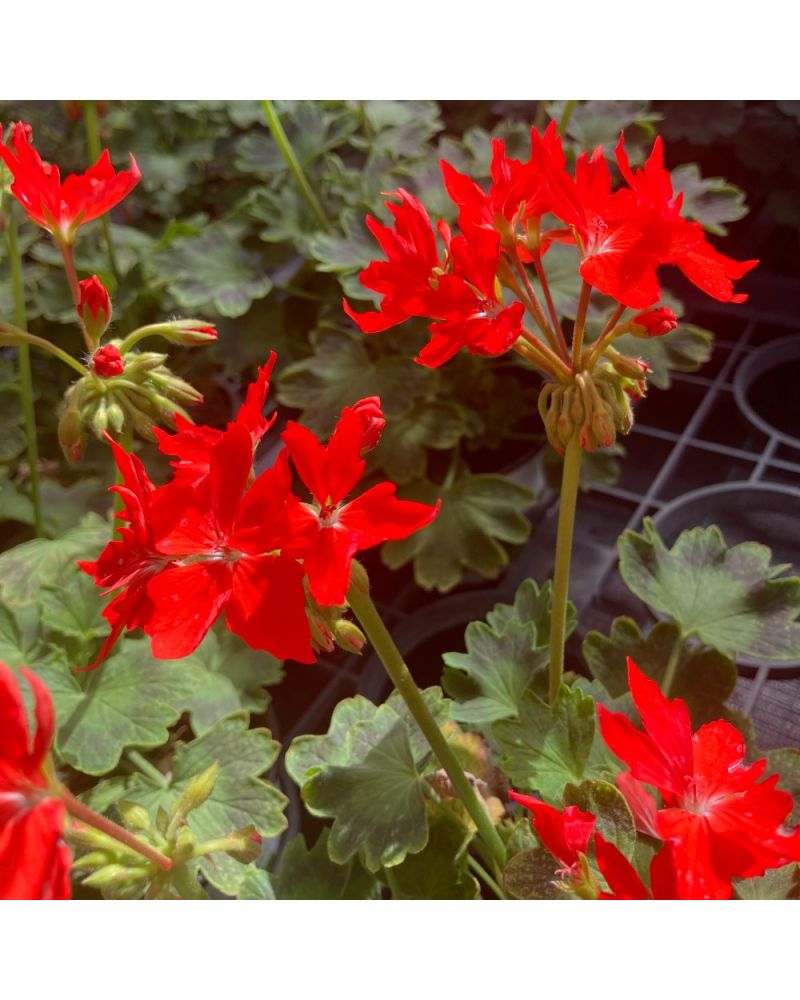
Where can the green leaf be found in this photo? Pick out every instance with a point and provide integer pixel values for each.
(310, 874)
(786, 763)
(778, 883)
(231, 679)
(712, 201)
(614, 818)
(13, 649)
(684, 349)
(240, 797)
(376, 800)
(546, 747)
(728, 597)
(478, 513)
(347, 252)
(599, 123)
(15, 505)
(27, 568)
(75, 608)
(256, 884)
(131, 700)
(403, 450)
(489, 680)
(704, 678)
(532, 875)
(365, 772)
(440, 869)
(214, 271)
(340, 372)
(533, 607)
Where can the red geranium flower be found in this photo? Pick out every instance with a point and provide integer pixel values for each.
(60, 207)
(566, 835)
(335, 531)
(721, 821)
(457, 291)
(108, 362)
(192, 444)
(34, 859)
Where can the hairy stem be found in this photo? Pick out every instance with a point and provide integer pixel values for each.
(14, 335)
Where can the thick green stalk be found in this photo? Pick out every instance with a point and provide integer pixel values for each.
(95, 150)
(566, 114)
(149, 770)
(566, 524)
(25, 376)
(383, 644)
(482, 874)
(285, 147)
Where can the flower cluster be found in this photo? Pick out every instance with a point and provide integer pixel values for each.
(34, 859)
(215, 539)
(718, 820)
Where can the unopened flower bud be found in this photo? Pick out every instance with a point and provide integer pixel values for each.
(94, 308)
(189, 332)
(372, 421)
(116, 416)
(71, 435)
(198, 790)
(632, 368)
(653, 322)
(359, 578)
(107, 362)
(349, 636)
(134, 816)
(100, 418)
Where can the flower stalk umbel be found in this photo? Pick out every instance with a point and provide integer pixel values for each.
(621, 239)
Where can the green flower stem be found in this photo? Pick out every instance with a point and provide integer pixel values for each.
(580, 326)
(377, 633)
(25, 376)
(672, 666)
(484, 876)
(569, 107)
(84, 814)
(14, 335)
(149, 770)
(566, 524)
(285, 146)
(93, 143)
(532, 303)
(551, 362)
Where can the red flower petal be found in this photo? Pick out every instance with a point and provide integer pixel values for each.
(186, 602)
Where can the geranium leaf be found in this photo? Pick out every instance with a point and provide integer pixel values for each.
(532, 875)
(255, 884)
(365, 772)
(27, 568)
(129, 701)
(309, 873)
(533, 607)
(403, 450)
(232, 679)
(478, 513)
(213, 271)
(377, 800)
(596, 123)
(489, 680)
(684, 349)
(439, 870)
(604, 801)
(340, 372)
(728, 597)
(704, 677)
(778, 883)
(74, 609)
(548, 746)
(712, 201)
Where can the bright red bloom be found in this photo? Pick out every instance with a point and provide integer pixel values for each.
(722, 822)
(566, 835)
(192, 444)
(134, 558)
(623, 880)
(62, 207)
(457, 291)
(34, 859)
(108, 362)
(334, 531)
(238, 532)
(372, 421)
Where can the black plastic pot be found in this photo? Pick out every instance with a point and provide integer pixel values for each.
(766, 389)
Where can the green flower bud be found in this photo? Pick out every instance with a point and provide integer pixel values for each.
(197, 791)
